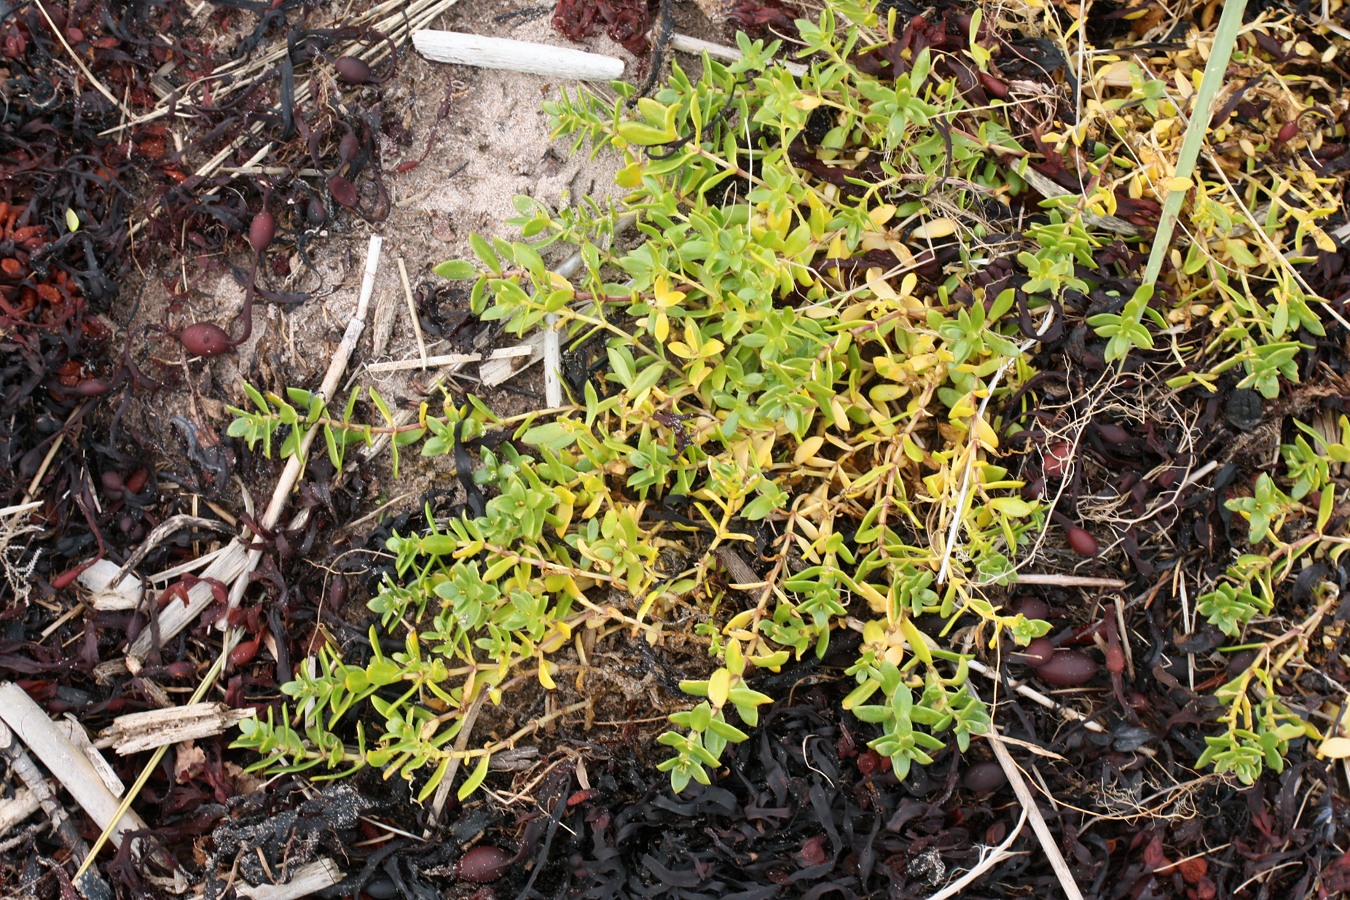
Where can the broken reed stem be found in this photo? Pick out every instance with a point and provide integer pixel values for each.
(412, 312)
(296, 464)
(1024, 796)
(66, 763)
(1071, 581)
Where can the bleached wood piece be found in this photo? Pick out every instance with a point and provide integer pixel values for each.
(553, 393)
(683, 43)
(309, 879)
(106, 591)
(448, 359)
(516, 56)
(177, 616)
(64, 760)
(139, 731)
(71, 728)
(17, 808)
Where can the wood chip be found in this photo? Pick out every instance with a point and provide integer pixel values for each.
(106, 592)
(17, 808)
(139, 731)
(496, 371)
(319, 875)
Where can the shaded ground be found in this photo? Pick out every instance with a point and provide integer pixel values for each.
(135, 432)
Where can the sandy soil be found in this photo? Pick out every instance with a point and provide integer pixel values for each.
(491, 146)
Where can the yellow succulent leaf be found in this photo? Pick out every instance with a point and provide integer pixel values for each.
(664, 296)
(908, 283)
(808, 449)
(1321, 239)
(916, 640)
(546, 677)
(934, 229)
(1335, 748)
(986, 435)
(884, 393)
(874, 599)
(740, 620)
(719, 688)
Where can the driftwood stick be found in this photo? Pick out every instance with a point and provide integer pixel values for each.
(449, 359)
(516, 56)
(412, 312)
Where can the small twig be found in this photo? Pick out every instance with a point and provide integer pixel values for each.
(412, 312)
(449, 359)
(1071, 581)
(1024, 796)
(461, 742)
(553, 396)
